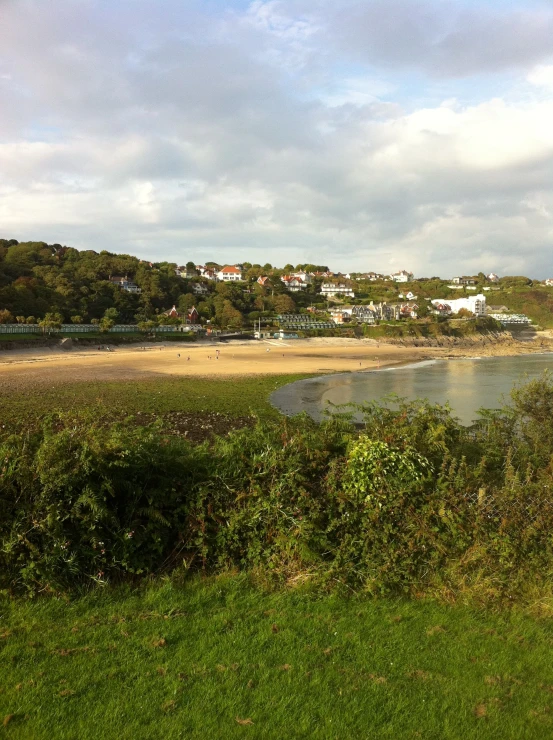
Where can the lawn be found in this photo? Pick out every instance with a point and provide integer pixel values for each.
(221, 658)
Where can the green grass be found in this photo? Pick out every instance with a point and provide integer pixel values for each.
(232, 396)
(170, 662)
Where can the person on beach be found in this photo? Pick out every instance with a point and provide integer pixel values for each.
(178, 355)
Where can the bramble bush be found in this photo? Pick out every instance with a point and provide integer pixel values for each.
(409, 501)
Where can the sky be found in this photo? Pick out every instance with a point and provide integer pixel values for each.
(364, 135)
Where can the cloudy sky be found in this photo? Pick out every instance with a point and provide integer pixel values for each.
(367, 134)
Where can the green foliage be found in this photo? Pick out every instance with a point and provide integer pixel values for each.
(413, 502)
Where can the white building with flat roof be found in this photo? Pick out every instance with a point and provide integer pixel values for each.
(476, 304)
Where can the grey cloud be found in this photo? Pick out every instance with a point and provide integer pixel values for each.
(442, 39)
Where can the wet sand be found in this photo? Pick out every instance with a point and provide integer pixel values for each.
(42, 366)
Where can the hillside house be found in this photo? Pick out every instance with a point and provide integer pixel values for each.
(305, 277)
(125, 284)
(330, 290)
(230, 273)
(183, 272)
(402, 276)
(192, 316)
(441, 309)
(264, 281)
(476, 304)
(293, 284)
(209, 273)
(364, 314)
(492, 278)
(549, 282)
(200, 289)
(464, 280)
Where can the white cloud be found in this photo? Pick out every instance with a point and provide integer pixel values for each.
(542, 76)
(176, 133)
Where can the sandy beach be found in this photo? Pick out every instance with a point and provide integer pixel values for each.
(51, 366)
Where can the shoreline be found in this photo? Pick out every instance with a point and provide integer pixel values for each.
(21, 368)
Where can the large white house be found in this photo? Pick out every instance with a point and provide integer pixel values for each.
(402, 276)
(476, 304)
(330, 290)
(305, 277)
(230, 273)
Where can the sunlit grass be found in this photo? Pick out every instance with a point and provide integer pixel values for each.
(223, 659)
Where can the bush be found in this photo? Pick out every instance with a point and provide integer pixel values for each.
(411, 502)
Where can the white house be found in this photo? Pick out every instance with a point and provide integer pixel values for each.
(305, 277)
(230, 273)
(200, 289)
(330, 290)
(292, 283)
(476, 304)
(492, 278)
(125, 284)
(549, 282)
(402, 276)
(464, 280)
(207, 272)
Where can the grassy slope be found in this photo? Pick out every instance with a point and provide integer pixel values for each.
(172, 662)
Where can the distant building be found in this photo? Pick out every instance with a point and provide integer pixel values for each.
(209, 273)
(230, 273)
(293, 284)
(402, 276)
(476, 304)
(441, 309)
(329, 290)
(305, 277)
(549, 282)
(464, 280)
(492, 278)
(125, 284)
(183, 272)
(200, 289)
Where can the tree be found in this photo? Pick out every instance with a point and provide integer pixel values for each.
(77, 319)
(5, 317)
(283, 304)
(230, 316)
(20, 319)
(106, 324)
(112, 314)
(464, 313)
(30, 320)
(186, 301)
(191, 268)
(146, 326)
(51, 321)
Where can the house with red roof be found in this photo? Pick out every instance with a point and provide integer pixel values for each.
(294, 284)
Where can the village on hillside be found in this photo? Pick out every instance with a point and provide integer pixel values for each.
(59, 289)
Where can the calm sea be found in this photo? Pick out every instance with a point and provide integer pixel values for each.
(467, 385)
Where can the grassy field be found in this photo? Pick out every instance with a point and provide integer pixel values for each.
(233, 397)
(224, 659)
